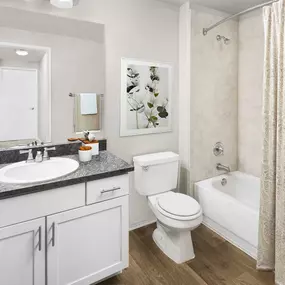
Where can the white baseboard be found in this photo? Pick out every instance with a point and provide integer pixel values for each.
(141, 224)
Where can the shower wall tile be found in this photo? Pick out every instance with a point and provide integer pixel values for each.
(250, 82)
(214, 95)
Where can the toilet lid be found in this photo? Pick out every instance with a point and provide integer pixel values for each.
(179, 205)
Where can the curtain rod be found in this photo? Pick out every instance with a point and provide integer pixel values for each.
(206, 30)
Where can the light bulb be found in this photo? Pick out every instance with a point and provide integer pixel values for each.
(22, 52)
(62, 4)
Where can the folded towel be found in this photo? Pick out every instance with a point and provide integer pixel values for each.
(88, 103)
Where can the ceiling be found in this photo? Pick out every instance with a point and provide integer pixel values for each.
(9, 54)
(229, 6)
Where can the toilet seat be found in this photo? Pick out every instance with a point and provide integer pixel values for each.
(178, 206)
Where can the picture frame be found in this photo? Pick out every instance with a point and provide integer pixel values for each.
(146, 91)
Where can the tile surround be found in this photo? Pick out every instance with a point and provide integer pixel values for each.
(214, 95)
(226, 94)
(250, 85)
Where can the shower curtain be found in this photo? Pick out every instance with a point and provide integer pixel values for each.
(271, 249)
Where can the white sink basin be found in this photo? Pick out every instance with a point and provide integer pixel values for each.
(25, 173)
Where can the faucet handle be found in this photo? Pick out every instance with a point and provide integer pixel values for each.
(30, 156)
(49, 148)
(46, 150)
(24, 151)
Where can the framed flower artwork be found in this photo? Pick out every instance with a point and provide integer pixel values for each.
(145, 97)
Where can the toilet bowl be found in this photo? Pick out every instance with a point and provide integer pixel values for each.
(156, 176)
(177, 215)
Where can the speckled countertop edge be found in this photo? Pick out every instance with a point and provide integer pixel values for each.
(102, 166)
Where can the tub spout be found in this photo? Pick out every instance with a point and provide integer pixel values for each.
(222, 167)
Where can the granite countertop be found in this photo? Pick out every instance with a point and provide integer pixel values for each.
(102, 166)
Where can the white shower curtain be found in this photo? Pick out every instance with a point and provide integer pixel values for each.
(271, 249)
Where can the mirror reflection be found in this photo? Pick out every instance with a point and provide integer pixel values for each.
(87, 111)
(24, 93)
(40, 65)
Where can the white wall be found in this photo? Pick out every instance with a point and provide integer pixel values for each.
(184, 95)
(141, 29)
(214, 94)
(250, 83)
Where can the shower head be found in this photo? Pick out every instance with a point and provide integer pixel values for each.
(227, 41)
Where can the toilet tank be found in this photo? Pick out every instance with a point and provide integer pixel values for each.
(156, 173)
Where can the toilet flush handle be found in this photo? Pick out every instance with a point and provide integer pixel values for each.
(145, 168)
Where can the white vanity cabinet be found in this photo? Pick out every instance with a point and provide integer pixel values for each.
(74, 240)
(88, 244)
(22, 253)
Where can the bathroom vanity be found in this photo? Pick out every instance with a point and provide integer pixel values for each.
(71, 230)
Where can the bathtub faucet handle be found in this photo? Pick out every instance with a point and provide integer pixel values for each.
(218, 149)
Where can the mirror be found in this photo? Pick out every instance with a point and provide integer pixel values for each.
(40, 66)
(24, 93)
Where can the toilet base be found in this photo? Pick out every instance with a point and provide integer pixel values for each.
(177, 245)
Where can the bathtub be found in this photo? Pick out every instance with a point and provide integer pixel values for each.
(232, 210)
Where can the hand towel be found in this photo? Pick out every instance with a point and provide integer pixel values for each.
(88, 103)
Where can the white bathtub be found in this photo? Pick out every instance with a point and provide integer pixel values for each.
(232, 210)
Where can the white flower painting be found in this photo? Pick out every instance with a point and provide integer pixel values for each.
(145, 98)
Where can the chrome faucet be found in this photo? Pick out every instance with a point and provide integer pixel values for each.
(40, 157)
(222, 167)
(30, 155)
(35, 143)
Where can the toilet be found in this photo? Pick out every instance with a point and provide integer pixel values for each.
(156, 177)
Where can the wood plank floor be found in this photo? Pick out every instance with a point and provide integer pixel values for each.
(217, 262)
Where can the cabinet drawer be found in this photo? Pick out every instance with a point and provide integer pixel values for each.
(105, 189)
(32, 206)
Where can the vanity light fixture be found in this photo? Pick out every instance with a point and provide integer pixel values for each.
(64, 4)
(22, 52)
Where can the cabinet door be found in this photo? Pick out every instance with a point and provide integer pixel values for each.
(22, 253)
(87, 244)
